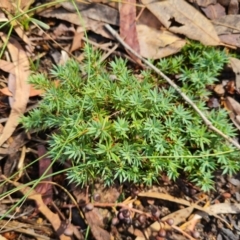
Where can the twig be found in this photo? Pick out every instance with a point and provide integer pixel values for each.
(184, 96)
(183, 233)
(104, 205)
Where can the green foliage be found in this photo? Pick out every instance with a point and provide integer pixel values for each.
(131, 128)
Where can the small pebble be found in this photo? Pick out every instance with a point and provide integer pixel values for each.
(142, 218)
(115, 221)
(195, 234)
(89, 207)
(162, 233)
(170, 221)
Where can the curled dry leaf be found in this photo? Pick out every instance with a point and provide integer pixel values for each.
(178, 16)
(22, 89)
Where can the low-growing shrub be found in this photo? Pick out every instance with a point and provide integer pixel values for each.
(116, 125)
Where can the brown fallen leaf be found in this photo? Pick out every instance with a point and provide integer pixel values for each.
(33, 195)
(6, 91)
(203, 3)
(93, 17)
(225, 3)
(178, 16)
(155, 44)
(214, 11)
(178, 217)
(227, 24)
(21, 94)
(96, 226)
(128, 30)
(44, 187)
(231, 39)
(230, 87)
(233, 7)
(164, 196)
(234, 110)
(148, 19)
(7, 66)
(77, 40)
(224, 208)
(18, 141)
(219, 89)
(33, 92)
(170, 198)
(235, 64)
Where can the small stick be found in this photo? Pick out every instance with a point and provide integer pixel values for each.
(183, 95)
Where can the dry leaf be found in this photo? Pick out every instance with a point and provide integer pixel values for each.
(225, 208)
(180, 17)
(11, 87)
(214, 11)
(77, 40)
(235, 64)
(33, 92)
(234, 110)
(233, 7)
(63, 29)
(128, 30)
(178, 216)
(164, 196)
(219, 89)
(96, 226)
(92, 18)
(227, 24)
(95, 11)
(203, 3)
(3, 238)
(225, 3)
(231, 39)
(22, 34)
(33, 195)
(147, 18)
(6, 92)
(22, 90)
(155, 44)
(168, 197)
(44, 188)
(7, 66)
(230, 87)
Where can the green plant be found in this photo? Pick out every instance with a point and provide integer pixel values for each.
(133, 127)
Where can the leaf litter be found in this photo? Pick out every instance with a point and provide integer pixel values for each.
(171, 21)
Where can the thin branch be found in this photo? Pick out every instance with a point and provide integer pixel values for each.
(184, 96)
